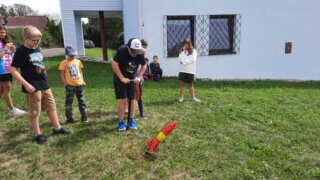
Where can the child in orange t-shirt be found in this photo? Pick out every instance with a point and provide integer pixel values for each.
(72, 77)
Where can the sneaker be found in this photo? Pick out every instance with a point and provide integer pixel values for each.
(70, 120)
(132, 124)
(181, 99)
(121, 126)
(144, 117)
(61, 130)
(84, 119)
(17, 112)
(40, 139)
(195, 99)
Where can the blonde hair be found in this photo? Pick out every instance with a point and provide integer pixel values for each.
(31, 31)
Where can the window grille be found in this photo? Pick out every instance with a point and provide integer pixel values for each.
(178, 29)
(210, 34)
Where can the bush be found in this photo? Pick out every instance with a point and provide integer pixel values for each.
(16, 36)
(46, 41)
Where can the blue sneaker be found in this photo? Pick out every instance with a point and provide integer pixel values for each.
(132, 124)
(121, 126)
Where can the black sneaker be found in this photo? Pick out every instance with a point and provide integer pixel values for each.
(60, 131)
(84, 119)
(70, 120)
(40, 139)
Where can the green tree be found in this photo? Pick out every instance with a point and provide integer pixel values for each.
(16, 36)
(23, 10)
(46, 40)
(55, 30)
(114, 29)
(4, 12)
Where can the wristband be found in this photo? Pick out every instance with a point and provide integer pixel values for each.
(122, 79)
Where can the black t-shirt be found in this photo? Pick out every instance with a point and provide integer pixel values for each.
(30, 62)
(127, 64)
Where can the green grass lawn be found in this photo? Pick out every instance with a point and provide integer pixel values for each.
(97, 52)
(240, 130)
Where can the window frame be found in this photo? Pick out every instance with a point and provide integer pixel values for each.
(192, 28)
(231, 26)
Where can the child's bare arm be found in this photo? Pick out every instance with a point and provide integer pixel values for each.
(84, 82)
(63, 78)
(5, 48)
(18, 77)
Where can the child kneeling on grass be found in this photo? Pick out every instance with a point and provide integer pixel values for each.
(72, 77)
(34, 83)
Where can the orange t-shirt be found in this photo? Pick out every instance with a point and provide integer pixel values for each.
(72, 72)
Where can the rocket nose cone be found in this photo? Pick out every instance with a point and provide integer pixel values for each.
(173, 124)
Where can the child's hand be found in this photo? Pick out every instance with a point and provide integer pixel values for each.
(29, 88)
(9, 45)
(125, 80)
(137, 80)
(84, 84)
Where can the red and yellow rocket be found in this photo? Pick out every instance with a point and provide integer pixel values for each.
(153, 144)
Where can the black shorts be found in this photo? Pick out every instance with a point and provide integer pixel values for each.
(186, 77)
(124, 91)
(5, 77)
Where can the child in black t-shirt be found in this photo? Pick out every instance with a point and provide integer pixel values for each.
(124, 65)
(34, 82)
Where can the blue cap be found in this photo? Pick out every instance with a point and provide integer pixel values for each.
(70, 51)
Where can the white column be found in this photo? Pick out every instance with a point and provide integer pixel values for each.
(72, 31)
(79, 35)
(131, 19)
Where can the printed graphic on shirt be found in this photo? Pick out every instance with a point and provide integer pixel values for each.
(131, 67)
(73, 71)
(5, 61)
(36, 59)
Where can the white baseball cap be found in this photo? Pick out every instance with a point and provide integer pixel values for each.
(135, 46)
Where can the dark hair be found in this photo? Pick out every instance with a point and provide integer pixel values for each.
(6, 39)
(144, 42)
(154, 56)
(190, 49)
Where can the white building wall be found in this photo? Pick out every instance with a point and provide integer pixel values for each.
(131, 19)
(265, 27)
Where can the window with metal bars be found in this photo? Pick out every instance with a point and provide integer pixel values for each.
(178, 29)
(221, 34)
(210, 34)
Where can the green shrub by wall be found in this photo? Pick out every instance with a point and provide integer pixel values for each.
(16, 36)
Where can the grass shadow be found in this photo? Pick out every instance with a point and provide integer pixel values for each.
(87, 132)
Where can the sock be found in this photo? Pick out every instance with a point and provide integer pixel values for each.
(57, 128)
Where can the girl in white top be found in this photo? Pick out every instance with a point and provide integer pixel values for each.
(187, 58)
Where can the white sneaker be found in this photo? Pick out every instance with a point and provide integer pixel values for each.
(16, 112)
(181, 99)
(195, 99)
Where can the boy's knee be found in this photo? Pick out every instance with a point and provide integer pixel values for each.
(123, 102)
(34, 114)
